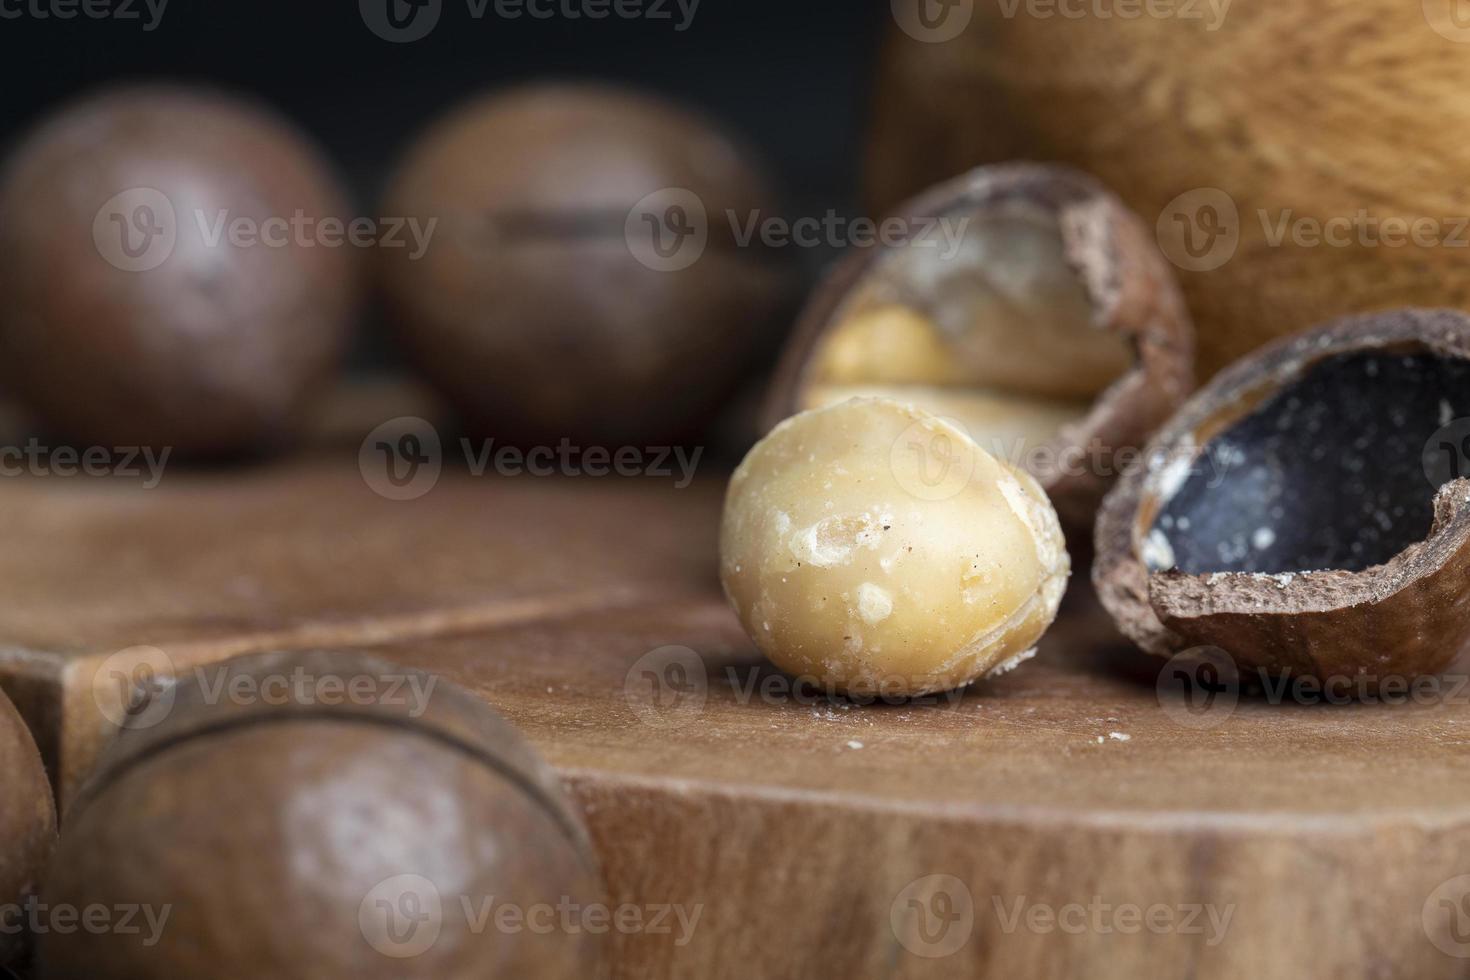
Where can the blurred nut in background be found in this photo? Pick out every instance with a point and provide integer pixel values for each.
(879, 550)
(1043, 321)
(27, 825)
(292, 831)
(581, 281)
(1289, 185)
(168, 279)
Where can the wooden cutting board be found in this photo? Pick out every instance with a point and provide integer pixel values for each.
(1065, 820)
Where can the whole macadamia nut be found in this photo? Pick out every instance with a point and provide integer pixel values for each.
(581, 280)
(168, 272)
(876, 548)
(321, 815)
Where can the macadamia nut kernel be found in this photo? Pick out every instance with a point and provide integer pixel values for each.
(878, 549)
(1031, 308)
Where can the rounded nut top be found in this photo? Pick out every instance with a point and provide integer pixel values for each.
(578, 277)
(324, 815)
(876, 548)
(27, 821)
(168, 272)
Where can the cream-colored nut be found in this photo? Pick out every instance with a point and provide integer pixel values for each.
(877, 549)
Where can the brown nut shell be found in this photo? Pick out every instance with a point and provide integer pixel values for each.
(1298, 512)
(286, 831)
(559, 297)
(1064, 399)
(27, 824)
(162, 283)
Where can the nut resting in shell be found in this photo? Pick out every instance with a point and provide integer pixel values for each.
(877, 549)
(323, 815)
(1304, 512)
(27, 825)
(1028, 306)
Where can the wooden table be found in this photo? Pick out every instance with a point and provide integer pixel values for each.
(1064, 820)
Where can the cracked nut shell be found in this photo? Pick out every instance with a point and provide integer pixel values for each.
(1029, 306)
(1304, 511)
(126, 321)
(27, 823)
(304, 831)
(878, 550)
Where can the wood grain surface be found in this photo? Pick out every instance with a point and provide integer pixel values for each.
(1064, 820)
(1300, 160)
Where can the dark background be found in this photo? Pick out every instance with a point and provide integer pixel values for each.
(791, 77)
